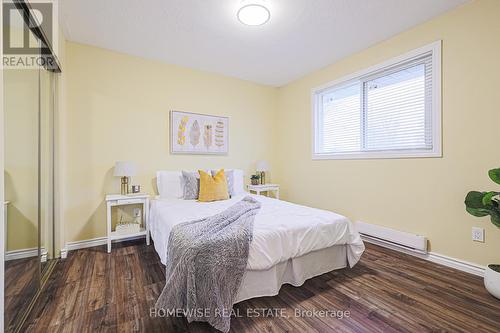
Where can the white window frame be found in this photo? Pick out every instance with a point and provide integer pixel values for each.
(435, 50)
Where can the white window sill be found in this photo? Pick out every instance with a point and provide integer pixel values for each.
(378, 155)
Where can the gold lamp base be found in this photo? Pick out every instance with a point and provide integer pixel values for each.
(262, 177)
(124, 187)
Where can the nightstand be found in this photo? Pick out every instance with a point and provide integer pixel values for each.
(258, 189)
(113, 200)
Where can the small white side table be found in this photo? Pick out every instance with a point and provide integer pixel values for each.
(258, 189)
(121, 200)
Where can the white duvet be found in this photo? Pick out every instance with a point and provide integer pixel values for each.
(282, 230)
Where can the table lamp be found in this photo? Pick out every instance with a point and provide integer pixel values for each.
(125, 169)
(262, 167)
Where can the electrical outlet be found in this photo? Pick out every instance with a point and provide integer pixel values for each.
(478, 234)
(137, 212)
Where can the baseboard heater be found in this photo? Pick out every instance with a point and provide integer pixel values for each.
(392, 237)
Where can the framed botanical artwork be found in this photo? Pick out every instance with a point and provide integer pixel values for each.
(194, 133)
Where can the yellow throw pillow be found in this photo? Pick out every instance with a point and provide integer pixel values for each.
(213, 188)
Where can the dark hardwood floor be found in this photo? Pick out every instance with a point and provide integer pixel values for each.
(21, 284)
(387, 291)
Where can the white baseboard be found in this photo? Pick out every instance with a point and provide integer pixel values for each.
(83, 244)
(21, 254)
(26, 253)
(461, 265)
(43, 257)
(437, 258)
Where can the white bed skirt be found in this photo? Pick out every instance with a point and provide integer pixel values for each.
(294, 271)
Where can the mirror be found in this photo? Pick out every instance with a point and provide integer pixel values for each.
(29, 96)
(22, 266)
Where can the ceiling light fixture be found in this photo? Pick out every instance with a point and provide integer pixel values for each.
(253, 14)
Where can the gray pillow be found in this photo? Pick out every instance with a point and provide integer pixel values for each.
(230, 180)
(191, 188)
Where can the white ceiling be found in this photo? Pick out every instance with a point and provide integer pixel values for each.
(302, 35)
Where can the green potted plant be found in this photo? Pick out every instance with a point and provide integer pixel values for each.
(483, 204)
(255, 179)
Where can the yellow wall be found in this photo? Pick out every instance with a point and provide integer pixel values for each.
(117, 108)
(423, 196)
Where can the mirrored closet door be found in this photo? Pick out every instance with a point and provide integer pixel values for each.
(29, 112)
(22, 266)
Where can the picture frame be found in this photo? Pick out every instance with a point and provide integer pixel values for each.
(198, 134)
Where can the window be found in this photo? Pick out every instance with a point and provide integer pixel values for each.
(392, 110)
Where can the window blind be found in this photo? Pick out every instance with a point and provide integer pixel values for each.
(387, 110)
(341, 130)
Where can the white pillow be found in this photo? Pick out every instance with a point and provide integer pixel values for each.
(169, 184)
(238, 180)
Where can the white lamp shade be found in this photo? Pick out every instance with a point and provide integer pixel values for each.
(125, 169)
(262, 166)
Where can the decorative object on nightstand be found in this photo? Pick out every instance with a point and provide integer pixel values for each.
(128, 229)
(262, 167)
(136, 188)
(125, 169)
(255, 179)
(258, 189)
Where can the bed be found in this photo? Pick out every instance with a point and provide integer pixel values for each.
(291, 243)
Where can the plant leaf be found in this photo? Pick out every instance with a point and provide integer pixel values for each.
(478, 212)
(495, 217)
(495, 175)
(488, 198)
(474, 199)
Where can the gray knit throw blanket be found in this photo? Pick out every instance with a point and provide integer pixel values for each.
(206, 260)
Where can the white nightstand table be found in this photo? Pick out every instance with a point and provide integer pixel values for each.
(258, 189)
(113, 200)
